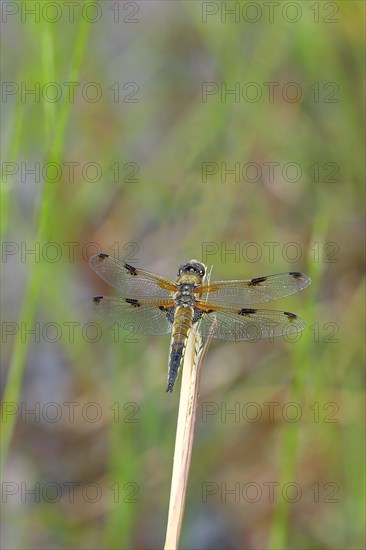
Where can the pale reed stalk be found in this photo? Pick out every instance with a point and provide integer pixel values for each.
(193, 360)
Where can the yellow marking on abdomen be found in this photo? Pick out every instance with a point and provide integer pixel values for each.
(182, 324)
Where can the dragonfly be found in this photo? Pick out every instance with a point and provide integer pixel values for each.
(155, 305)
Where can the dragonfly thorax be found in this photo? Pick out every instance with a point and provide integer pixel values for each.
(185, 294)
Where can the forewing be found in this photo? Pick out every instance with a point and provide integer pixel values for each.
(133, 282)
(143, 317)
(246, 324)
(254, 291)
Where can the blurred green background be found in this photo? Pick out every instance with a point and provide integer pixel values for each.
(139, 112)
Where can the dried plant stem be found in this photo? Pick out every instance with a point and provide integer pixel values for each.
(184, 437)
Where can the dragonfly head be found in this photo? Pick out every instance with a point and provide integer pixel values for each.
(192, 268)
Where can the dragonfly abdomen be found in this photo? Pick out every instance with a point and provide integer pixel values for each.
(182, 324)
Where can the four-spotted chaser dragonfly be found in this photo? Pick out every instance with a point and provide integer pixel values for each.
(152, 304)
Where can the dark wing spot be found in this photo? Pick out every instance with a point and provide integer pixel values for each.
(102, 256)
(166, 309)
(131, 269)
(295, 274)
(246, 311)
(97, 299)
(257, 281)
(199, 313)
(163, 308)
(290, 315)
(133, 302)
(169, 311)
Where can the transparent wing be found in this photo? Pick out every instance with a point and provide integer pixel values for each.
(246, 324)
(149, 317)
(131, 281)
(254, 291)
